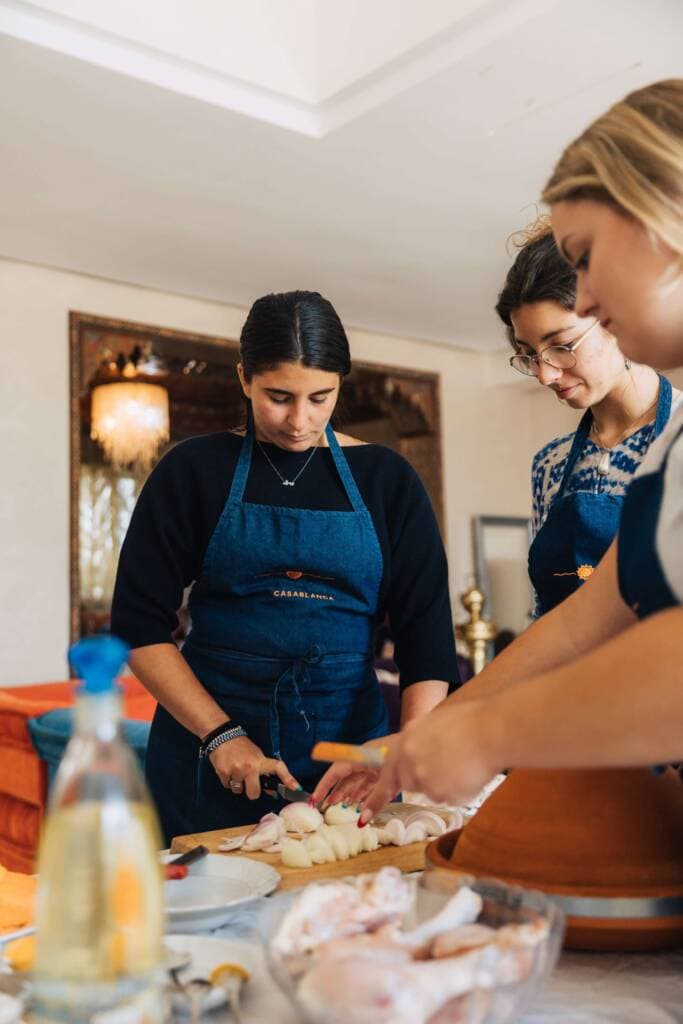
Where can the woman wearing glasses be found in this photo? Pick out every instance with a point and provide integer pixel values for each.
(578, 480)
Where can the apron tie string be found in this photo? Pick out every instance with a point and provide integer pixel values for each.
(299, 675)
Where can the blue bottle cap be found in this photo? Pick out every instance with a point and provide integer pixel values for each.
(97, 660)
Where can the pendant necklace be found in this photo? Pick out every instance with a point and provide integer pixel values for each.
(605, 459)
(283, 480)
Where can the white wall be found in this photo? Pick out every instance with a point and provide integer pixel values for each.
(492, 424)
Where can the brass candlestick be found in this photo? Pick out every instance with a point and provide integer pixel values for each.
(477, 632)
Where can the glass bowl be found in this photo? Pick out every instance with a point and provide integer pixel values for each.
(500, 1001)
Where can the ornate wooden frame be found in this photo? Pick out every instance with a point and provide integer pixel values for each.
(78, 322)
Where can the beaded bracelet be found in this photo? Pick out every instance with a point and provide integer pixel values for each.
(223, 734)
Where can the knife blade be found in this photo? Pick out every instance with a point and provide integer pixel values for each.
(272, 785)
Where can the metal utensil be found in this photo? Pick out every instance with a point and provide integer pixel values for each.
(18, 934)
(195, 991)
(273, 787)
(351, 753)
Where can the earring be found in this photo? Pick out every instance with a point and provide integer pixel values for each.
(627, 363)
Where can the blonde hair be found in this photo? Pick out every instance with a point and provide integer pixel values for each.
(538, 228)
(632, 159)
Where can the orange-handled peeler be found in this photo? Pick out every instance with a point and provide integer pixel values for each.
(351, 752)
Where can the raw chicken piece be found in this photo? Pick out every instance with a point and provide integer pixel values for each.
(322, 912)
(463, 908)
(383, 896)
(528, 933)
(380, 946)
(299, 817)
(393, 991)
(337, 909)
(459, 940)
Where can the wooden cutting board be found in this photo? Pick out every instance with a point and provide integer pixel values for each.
(405, 858)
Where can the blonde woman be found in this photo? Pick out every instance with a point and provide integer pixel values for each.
(596, 681)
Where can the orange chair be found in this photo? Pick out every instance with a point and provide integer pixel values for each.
(23, 776)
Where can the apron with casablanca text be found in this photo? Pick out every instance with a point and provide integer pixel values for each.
(283, 617)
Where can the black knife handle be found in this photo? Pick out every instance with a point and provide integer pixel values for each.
(191, 856)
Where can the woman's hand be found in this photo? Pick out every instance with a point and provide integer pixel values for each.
(349, 783)
(344, 783)
(446, 755)
(239, 764)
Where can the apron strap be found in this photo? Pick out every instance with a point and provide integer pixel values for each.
(345, 474)
(239, 480)
(663, 405)
(583, 430)
(580, 436)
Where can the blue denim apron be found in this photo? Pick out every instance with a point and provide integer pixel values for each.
(283, 617)
(579, 526)
(642, 582)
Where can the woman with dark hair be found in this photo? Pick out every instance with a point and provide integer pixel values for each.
(299, 540)
(578, 480)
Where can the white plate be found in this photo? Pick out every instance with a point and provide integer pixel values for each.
(214, 886)
(207, 953)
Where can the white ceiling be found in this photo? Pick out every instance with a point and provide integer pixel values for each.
(377, 150)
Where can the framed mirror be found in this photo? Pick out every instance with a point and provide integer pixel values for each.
(501, 550)
(394, 407)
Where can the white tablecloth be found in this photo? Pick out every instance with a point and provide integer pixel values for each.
(585, 988)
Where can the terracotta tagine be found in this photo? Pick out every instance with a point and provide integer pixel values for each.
(607, 844)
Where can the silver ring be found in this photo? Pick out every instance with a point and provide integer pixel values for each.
(236, 784)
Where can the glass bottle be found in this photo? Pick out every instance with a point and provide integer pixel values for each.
(100, 913)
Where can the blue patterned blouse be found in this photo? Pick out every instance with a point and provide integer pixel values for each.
(548, 467)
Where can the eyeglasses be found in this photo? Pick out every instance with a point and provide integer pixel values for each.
(560, 357)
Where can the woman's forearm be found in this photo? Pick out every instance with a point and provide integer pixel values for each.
(419, 699)
(163, 671)
(583, 622)
(622, 704)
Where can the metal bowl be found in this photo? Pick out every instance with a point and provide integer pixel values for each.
(503, 904)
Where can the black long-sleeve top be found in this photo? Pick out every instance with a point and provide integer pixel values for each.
(181, 503)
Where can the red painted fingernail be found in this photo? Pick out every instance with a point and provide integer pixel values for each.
(361, 823)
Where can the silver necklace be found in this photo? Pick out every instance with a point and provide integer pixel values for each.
(283, 481)
(605, 459)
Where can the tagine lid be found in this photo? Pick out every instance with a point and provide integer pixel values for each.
(595, 832)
